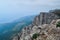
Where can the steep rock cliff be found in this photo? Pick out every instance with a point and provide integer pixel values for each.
(44, 24)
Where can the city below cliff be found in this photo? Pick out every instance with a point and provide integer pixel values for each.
(45, 26)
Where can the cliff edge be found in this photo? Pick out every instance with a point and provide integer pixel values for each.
(46, 26)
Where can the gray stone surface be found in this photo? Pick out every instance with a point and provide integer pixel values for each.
(45, 25)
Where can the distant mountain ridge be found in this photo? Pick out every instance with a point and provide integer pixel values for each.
(8, 29)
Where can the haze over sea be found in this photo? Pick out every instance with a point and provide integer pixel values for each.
(14, 9)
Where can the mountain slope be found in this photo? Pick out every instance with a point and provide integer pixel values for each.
(42, 28)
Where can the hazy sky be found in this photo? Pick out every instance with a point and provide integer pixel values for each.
(14, 9)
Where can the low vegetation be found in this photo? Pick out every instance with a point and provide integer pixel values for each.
(35, 36)
(58, 24)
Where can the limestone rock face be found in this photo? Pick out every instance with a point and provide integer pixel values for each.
(45, 25)
(45, 18)
(46, 31)
(49, 32)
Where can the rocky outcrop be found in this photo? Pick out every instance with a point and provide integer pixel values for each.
(44, 24)
(46, 32)
(45, 18)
